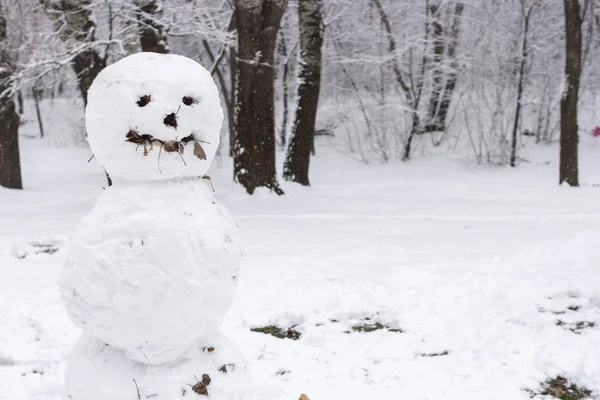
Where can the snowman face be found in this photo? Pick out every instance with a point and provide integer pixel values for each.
(154, 116)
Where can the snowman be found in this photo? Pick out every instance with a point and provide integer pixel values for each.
(152, 269)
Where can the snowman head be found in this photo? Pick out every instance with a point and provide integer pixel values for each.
(154, 116)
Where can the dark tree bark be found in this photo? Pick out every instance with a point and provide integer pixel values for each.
(233, 98)
(257, 23)
(569, 136)
(151, 29)
(284, 79)
(520, 86)
(20, 102)
(10, 164)
(87, 65)
(444, 52)
(36, 91)
(436, 32)
(297, 162)
(73, 20)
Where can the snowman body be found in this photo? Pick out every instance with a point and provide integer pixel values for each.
(152, 269)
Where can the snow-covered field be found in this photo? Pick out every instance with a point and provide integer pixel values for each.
(471, 268)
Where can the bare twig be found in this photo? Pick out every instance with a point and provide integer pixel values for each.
(138, 389)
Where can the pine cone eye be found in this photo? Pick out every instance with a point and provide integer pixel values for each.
(188, 101)
(143, 101)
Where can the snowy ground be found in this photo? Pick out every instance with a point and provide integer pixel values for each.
(477, 262)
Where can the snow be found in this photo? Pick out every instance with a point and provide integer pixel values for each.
(152, 267)
(471, 260)
(113, 111)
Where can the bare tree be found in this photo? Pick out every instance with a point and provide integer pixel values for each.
(73, 20)
(232, 98)
(10, 164)
(569, 136)
(227, 90)
(444, 65)
(285, 86)
(410, 84)
(526, 12)
(36, 92)
(297, 162)
(436, 33)
(257, 23)
(151, 29)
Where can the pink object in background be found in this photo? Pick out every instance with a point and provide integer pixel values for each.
(596, 131)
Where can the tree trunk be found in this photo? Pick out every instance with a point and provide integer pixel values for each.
(257, 23)
(73, 20)
(569, 136)
(87, 65)
(233, 99)
(285, 86)
(37, 91)
(20, 102)
(10, 164)
(414, 130)
(297, 162)
(151, 29)
(439, 48)
(441, 95)
(520, 88)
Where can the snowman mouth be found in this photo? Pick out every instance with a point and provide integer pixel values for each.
(170, 146)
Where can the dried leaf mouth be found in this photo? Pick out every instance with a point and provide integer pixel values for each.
(169, 146)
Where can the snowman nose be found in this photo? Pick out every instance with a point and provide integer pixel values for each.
(171, 120)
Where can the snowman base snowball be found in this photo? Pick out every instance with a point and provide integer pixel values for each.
(97, 371)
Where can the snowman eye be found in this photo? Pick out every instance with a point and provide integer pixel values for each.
(143, 101)
(188, 101)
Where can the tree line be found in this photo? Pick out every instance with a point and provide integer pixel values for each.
(390, 74)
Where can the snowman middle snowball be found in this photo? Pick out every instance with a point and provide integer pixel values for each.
(155, 263)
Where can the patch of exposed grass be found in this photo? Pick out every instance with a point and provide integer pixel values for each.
(397, 330)
(571, 308)
(367, 327)
(561, 388)
(45, 248)
(439, 354)
(543, 310)
(582, 325)
(575, 327)
(372, 327)
(24, 250)
(278, 332)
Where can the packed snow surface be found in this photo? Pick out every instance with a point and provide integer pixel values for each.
(152, 267)
(494, 266)
(137, 94)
